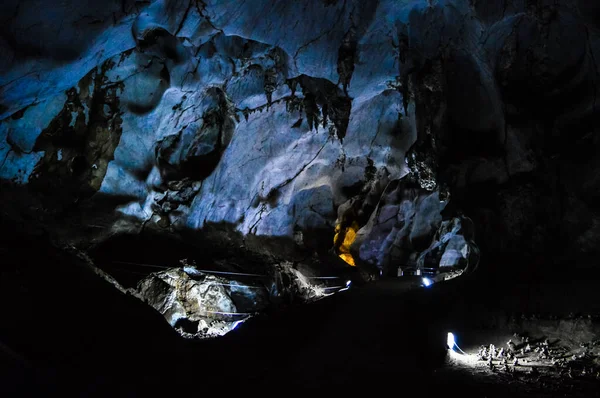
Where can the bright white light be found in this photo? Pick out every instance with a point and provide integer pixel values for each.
(427, 282)
(451, 342)
(236, 324)
(465, 359)
(348, 283)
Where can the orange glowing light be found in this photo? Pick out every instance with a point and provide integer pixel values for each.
(349, 237)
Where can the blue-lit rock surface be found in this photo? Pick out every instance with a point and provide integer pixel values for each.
(283, 119)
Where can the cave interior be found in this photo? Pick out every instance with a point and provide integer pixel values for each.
(308, 197)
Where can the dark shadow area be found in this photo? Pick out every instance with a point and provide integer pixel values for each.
(74, 334)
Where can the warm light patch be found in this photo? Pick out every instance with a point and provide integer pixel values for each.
(348, 235)
(348, 258)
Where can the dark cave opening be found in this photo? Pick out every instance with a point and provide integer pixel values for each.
(186, 325)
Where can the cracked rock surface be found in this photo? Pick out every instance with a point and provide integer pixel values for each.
(198, 305)
(289, 119)
(283, 141)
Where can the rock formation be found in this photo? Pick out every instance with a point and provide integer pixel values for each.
(397, 134)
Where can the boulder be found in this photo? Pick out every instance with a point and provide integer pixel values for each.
(201, 305)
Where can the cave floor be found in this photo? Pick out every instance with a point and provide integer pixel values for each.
(66, 331)
(391, 335)
(385, 336)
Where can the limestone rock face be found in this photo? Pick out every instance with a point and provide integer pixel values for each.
(289, 120)
(453, 246)
(200, 305)
(412, 235)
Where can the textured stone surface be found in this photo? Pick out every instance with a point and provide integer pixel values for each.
(200, 305)
(285, 120)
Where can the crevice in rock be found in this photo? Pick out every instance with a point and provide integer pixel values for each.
(16, 79)
(253, 228)
(377, 131)
(347, 54)
(6, 157)
(201, 8)
(289, 180)
(184, 18)
(323, 34)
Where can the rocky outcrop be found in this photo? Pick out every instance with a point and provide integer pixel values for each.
(201, 305)
(406, 231)
(453, 247)
(195, 151)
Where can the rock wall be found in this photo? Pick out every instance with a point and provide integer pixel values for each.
(286, 119)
